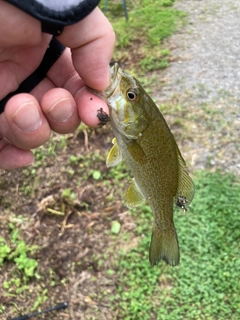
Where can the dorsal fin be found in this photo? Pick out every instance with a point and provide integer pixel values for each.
(185, 184)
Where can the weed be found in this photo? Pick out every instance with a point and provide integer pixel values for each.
(4, 250)
(43, 153)
(68, 194)
(119, 172)
(204, 286)
(42, 297)
(73, 160)
(152, 22)
(96, 174)
(18, 252)
(23, 262)
(151, 63)
(116, 227)
(2, 308)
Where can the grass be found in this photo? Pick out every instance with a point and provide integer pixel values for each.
(17, 252)
(141, 38)
(205, 285)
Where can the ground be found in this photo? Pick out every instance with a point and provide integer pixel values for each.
(67, 201)
(69, 233)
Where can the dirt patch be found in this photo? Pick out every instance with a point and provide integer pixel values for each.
(72, 235)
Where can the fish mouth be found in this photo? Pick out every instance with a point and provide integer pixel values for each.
(115, 72)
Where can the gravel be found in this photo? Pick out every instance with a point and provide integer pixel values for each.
(205, 74)
(208, 49)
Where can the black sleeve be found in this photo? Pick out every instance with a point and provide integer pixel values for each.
(55, 14)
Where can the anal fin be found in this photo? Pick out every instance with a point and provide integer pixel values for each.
(134, 196)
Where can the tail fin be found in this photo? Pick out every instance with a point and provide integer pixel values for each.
(164, 245)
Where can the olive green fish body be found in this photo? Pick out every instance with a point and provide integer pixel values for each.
(144, 140)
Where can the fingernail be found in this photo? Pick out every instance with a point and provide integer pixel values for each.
(27, 117)
(62, 110)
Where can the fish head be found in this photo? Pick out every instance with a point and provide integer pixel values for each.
(125, 98)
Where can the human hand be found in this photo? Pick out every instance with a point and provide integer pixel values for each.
(61, 100)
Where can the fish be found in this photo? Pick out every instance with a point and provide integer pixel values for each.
(144, 140)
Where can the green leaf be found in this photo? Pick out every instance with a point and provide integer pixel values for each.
(96, 174)
(116, 226)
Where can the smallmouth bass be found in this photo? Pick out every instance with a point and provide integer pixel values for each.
(144, 140)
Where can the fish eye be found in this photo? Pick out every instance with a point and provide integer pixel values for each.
(132, 96)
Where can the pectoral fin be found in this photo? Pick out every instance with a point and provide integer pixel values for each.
(115, 155)
(134, 196)
(185, 184)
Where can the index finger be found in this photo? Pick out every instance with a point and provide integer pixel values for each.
(92, 42)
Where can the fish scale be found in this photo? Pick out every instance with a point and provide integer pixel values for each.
(144, 140)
